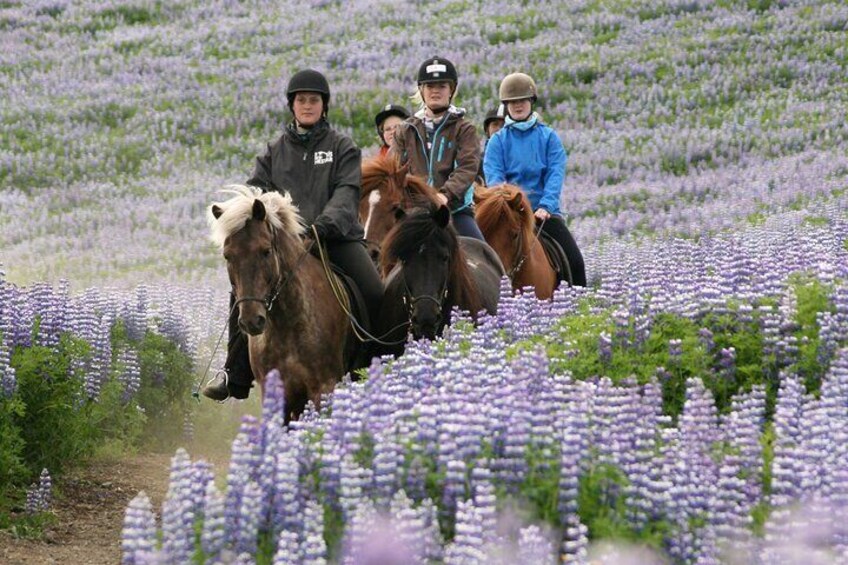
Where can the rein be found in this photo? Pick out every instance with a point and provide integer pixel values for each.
(282, 281)
(361, 333)
(439, 298)
(524, 257)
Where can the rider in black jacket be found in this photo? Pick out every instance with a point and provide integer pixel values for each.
(320, 168)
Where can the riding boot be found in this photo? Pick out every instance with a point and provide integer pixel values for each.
(236, 378)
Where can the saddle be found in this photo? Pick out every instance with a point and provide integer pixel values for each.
(354, 302)
(556, 257)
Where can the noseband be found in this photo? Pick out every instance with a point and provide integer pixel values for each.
(282, 279)
(411, 301)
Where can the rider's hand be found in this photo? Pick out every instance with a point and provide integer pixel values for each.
(542, 214)
(443, 200)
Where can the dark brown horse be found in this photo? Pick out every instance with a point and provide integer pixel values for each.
(287, 306)
(506, 219)
(428, 269)
(387, 191)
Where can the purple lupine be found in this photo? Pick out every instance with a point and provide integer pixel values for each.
(286, 506)
(135, 314)
(250, 519)
(288, 549)
(130, 375)
(178, 510)
(212, 536)
(8, 381)
(355, 482)
(705, 337)
(605, 347)
(675, 350)
(241, 463)
(138, 539)
(467, 546)
(575, 541)
(409, 523)
(727, 363)
(313, 549)
(533, 547)
(39, 497)
(786, 465)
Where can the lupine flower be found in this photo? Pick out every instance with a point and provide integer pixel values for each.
(39, 497)
(139, 534)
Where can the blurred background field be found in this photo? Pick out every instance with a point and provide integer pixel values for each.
(707, 186)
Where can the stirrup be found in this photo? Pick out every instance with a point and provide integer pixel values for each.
(225, 377)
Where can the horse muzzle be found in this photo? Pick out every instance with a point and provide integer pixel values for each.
(252, 325)
(425, 326)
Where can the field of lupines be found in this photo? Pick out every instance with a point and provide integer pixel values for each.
(692, 401)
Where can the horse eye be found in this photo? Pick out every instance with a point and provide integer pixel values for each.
(266, 253)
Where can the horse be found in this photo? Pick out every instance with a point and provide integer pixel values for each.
(428, 269)
(287, 306)
(387, 191)
(506, 219)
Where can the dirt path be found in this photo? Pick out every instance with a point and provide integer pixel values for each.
(90, 513)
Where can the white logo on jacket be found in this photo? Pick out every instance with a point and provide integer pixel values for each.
(323, 157)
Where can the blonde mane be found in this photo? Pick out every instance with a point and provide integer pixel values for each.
(282, 214)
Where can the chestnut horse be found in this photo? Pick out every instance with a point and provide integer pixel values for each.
(428, 269)
(506, 219)
(387, 191)
(287, 306)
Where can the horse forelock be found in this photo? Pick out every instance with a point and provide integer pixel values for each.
(495, 210)
(281, 213)
(380, 174)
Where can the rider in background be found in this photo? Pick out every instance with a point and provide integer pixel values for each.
(440, 145)
(529, 154)
(492, 124)
(320, 168)
(387, 121)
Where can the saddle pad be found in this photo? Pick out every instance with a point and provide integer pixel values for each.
(556, 256)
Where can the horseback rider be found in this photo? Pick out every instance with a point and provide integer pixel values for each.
(387, 121)
(320, 168)
(530, 154)
(492, 124)
(440, 145)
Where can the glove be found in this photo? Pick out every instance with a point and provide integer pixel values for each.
(320, 229)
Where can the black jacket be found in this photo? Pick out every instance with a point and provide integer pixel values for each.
(321, 171)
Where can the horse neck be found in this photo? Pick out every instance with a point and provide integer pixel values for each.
(462, 290)
(292, 305)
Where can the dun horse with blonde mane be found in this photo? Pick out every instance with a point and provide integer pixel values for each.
(287, 306)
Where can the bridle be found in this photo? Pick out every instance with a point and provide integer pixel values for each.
(282, 280)
(523, 257)
(411, 301)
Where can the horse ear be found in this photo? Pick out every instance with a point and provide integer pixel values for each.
(515, 201)
(258, 210)
(217, 211)
(442, 216)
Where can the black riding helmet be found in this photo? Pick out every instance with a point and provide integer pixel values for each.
(308, 80)
(437, 69)
(498, 113)
(388, 110)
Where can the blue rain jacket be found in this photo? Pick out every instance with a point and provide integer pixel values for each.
(534, 159)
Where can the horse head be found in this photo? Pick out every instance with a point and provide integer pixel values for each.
(258, 235)
(388, 191)
(426, 247)
(506, 219)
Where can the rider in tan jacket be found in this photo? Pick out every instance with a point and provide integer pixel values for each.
(441, 146)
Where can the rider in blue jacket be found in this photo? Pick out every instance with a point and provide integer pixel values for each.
(529, 154)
